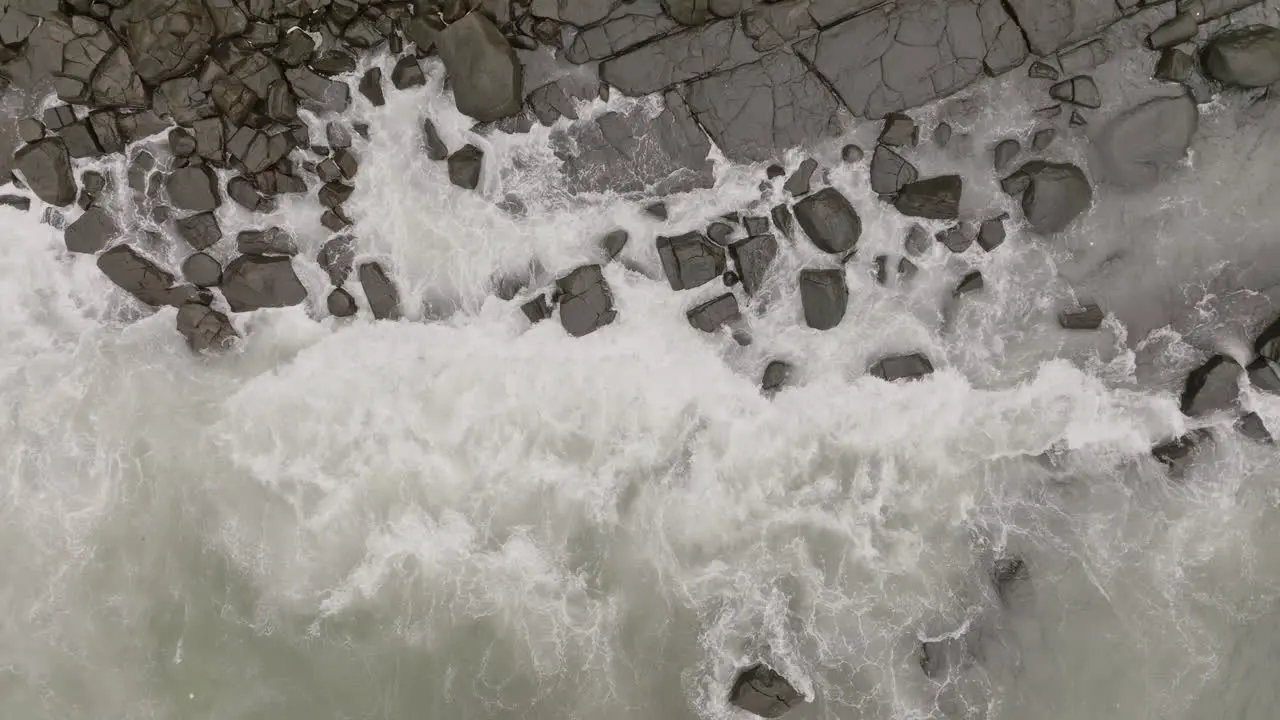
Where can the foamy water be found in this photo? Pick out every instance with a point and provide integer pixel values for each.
(462, 516)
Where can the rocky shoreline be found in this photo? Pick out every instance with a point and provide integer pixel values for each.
(203, 98)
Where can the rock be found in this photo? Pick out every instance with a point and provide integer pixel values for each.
(1043, 71)
(917, 241)
(687, 12)
(115, 83)
(1083, 57)
(537, 309)
(1178, 453)
(347, 164)
(208, 135)
(336, 258)
(137, 275)
(200, 231)
(783, 220)
(383, 297)
(942, 134)
(295, 49)
(1142, 144)
(272, 241)
(798, 183)
(899, 131)
(851, 154)
(939, 658)
(719, 233)
(59, 116)
(1011, 578)
(486, 76)
(91, 232)
(340, 303)
(407, 74)
(16, 202)
(80, 141)
(316, 92)
(164, 38)
(253, 282)
(1054, 195)
(761, 691)
(613, 243)
(991, 233)
(906, 271)
(956, 238)
(690, 260)
(1077, 120)
(755, 225)
(1050, 112)
(1179, 29)
(970, 283)
(337, 135)
(936, 198)
(777, 375)
(45, 166)
(436, 149)
(752, 258)
(657, 210)
(1005, 153)
(1212, 387)
(1264, 375)
(1051, 25)
(202, 270)
(715, 313)
(1079, 90)
(370, 86)
(204, 328)
(629, 25)
(586, 303)
(829, 220)
(774, 171)
(824, 297)
(902, 367)
(181, 142)
(333, 194)
(1087, 317)
(890, 171)
(1244, 57)
(1043, 139)
(465, 166)
(1251, 426)
(30, 130)
(194, 189)
(1174, 66)
(334, 219)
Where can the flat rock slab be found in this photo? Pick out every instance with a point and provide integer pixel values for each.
(890, 171)
(626, 27)
(1051, 25)
(91, 232)
(824, 297)
(752, 258)
(1140, 145)
(690, 260)
(586, 302)
(829, 220)
(253, 282)
(486, 76)
(1088, 317)
(137, 275)
(383, 297)
(1246, 57)
(194, 189)
(763, 692)
(715, 313)
(936, 198)
(46, 167)
(902, 367)
(1212, 387)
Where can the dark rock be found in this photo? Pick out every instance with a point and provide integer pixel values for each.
(1174, 66)
(687, 12)
(1212, 387)
(902, 367)
(586, 302)
(956, 238)
(715, 313)
(777, 375)
(783, 220)
(181, 142)
(1244, 57)
(336, 258)
(486, 76)
(774, 171)
(164, 38)
(937, 198)
(337, 135)
(991, 233)
(253, 282)
(938, 658)
(1178, 453)
(436, 149)
(334, 194)
(755, 225)
(851, 154)
(295, 49)
(30, 129)
(407, 74)
(829, 220)
(970, 283)
(613, 243)
(1051, 25)
(761, 691)
(1079, 90)
(690, 260)
(335, 220)
(200, 231)
(629, 25)
(537, 309)
(194, 189)
(45, 166)
(1054, 194)
(906, 270)
(1043, 71)
(1043, 139)
(208, 135)
(116, 84)
(271, 241)
(719, 233)
(1264, 375)
(752, 258)
(280, 104)
(79, 140)
(184, 101)
(316, 92)
(383, 297)
(242, 192)
(890, 171)
(798, 183)
(899, 131)
(202, 270)
(137, 275)
(465, 165)
(59, 116)
(91, 232)
(333, 63)
(942, 134)
(824, 297)
(204, 328)
(1179, 29)
(371, 86)
(917, 242)
(1077, 120)
(658, 210)
(340, 303)
(1005, 153)
(1142, 144)
(730, 279)
(1088, 317)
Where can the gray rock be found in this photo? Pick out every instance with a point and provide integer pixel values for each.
(798, 183)
(337, 135)
(719, 233)
(164, 38)
(253, 282)
(1177, 454)
(1043, 71)
(335, 220)
(347, 164)
(383, 297)
(205, 329)
(181, 143)
(116, 84)
(208, 134)
(890, 172)
(137, 275)
(902, 367)
(777, 375)
(407, 73)
(200, 231)
(486, 76)
(917, 241)
(242, 192)
(1142, 144)
(851, 154)
(1011, 579)
(80, 141)
(1179, 29)
(937, 198)
(970, 283)
(783, 220)
(1080, 90)
(337, 257)
(899, 130)
(574, 12)
(1264, 375)
(271, 241)
(1005, 152)
(16, 202)
(586, 302)
(280, 104)
(906, 271)
(537, 309)
(628, 26)
(715, 313)
(340, 303)
(59, 116)
(613, 243)
(956, 238)
(30, 129)
(688, 12)
(761, 691)
(1244, 57)
(1083, 57)
(45, 166)
(942, 134)
(1051, 25)
(316, 92)
(991, 233)
(1251, 426)
(202, 270)
(829, 220)
(465, 166)
(91, 232)
(1043, 139)
(680, 57)
(755, 225)
(690, 260)
(371, 86)
(752, 258)
(194, 189)
(436, 149)
(1088, 317)
(295, 49)
(824, 296)
(1054, 195)
(333, 194)
(1212, 387)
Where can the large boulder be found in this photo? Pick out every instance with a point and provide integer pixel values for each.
(91, 232)
(586, 302)
(829, 220)
(165, 38)
(824, 296)
(1245, 57)
(486, 76)
(383, 297)
(1141, 144)
(1053, 194)
(46, 167)
(715, 313)
(138, 276)
(761, 691)
(690, 260)
(252, 282)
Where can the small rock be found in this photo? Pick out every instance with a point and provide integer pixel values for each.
(970, 283)
(936, 198)
(181, 142)
(690, 260)
(340, 303)
(658, 210)
(436, 149)
(1043, 139)
(1077, 120)
(956, 238)
(252, 282)
(333, 194)
(1087, 317)
(465, 166)
(336, 258)
(1246, 57)
(1005, 152)
(1212, 387)
(537, 309)
(272, 241)
(730, 278)
(991, 234)
(1079, 90)
(777, 375)
(715, 313)
(829, 220)
(752, 258)
(202, 270)
(200, 231)
(613, 243)
(783, 220)
(899, 131)
(1174, 66)
(902, 367)
(586, 303)
(194, 189)
(1042, 71)
(46, 169)
(1251, 426)
(204, 328)
(1178, 453)
(755, 225)
(91, 232)
(370, 86)
(334, 220)
(942, 134)
(137, 275)
(798, 183)
(890, 172)
(1050, 112)
(851, 154)
(775, 171)
(761, 691)
(824, 297)
(407, 74)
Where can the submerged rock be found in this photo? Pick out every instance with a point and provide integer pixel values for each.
(824, 296)
(936, 198)
(1212, 387)
(1086, 317)
(1245, 57)
(902, 367)
(586, 302)
(252, 282)
(1011, 578)
(761, 691)
(205, 329)
(690, 260)
(1006, 151)
(1137, 147)
(1178, 453)
(829, 220)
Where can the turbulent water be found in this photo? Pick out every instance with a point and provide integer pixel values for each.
(461, 516)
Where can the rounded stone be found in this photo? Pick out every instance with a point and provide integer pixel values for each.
(202, 270)
(341, 304)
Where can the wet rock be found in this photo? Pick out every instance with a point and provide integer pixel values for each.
(798, 183)
(1083, 57)
(629, 25)
(761, 691)
(336, 258)
(1142, 144)
(1244, 57)
(1251, 426)
(719, 233)
(851, 154)
(333, 194)
(956, 238)
(137, 275)
(687, 12)
(774, 171)
(705, 51)
(164, 38)
(59, 116)
(271, 241)
(829, 221)
(783, 220)
(45, 166)
(690, 260)
(1178, 453)
(657, 210)
(116, 84)
(316, 92)
(181, 142)
(537, 309)
(899, 131)
(335, 219)
(906, 271)
(200, 231)
(436, 149)
(777, 375)
(991, 233)
(824, 296)
(715, 313)
(902, 367)
(1264, 375)
(1174, 65)
(1050, 112)
(16, 202)
(383, 297)
(407, 73)
(1212, 387)
(1086, 317)
(752, 258)
(1011, 579)
(613, 243)
(208, 135)
(1079, 90)
(1054, 194)
(295, 49)
(942, 134)
(91, 232)
(486, 76)
(30, 129)
(1043, 139)
(465, 166)
(103, 125)
(347, 164)
(1051, 25)
(202, 270)
(586, 302)
(253, 282)
(970, 283)
(205, 329)
(242, 192)
(936, 198)
(1077, 120)
(1043, 71)
(890, 171)
(194, 189)
(79, 140)
(1005, 153)
(370, 86)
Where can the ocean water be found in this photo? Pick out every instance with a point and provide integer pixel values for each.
(461, 516)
